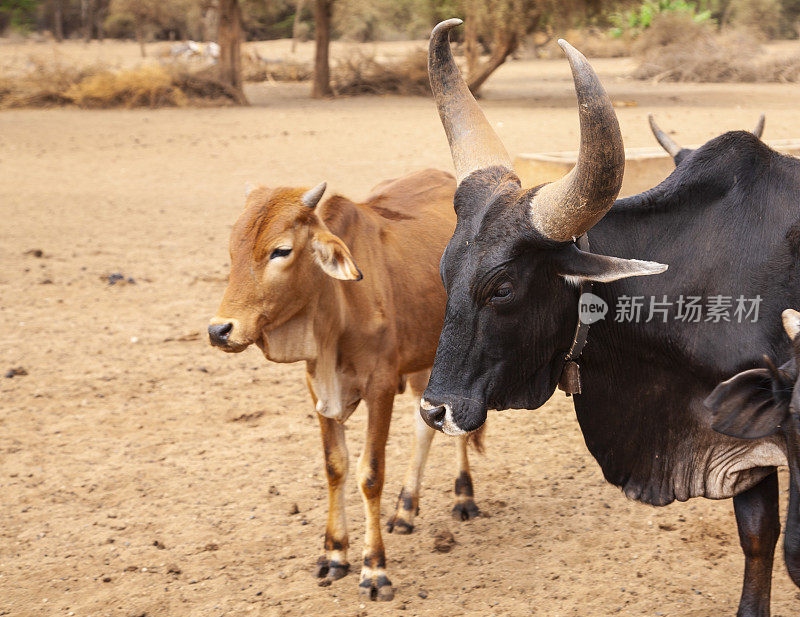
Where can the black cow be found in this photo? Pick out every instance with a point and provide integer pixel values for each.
(676, 151)
(727, 221)
(761, 402)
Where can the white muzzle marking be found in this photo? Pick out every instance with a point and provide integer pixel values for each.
(449, 427)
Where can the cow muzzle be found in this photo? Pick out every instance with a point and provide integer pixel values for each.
(225, 334)
(218, 334)
(439, 416)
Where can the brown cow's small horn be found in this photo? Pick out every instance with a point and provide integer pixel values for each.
(759, 130)
(568, 207)
(665, 140)
(311, 197)
(473, 143)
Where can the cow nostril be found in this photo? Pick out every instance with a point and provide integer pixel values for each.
(434, 416)
(219, 333)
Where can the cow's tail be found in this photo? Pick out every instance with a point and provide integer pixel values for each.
(475, 439)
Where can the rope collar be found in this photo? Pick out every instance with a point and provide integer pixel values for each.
(570, 381)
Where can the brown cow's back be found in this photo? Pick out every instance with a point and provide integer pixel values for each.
(397, 238)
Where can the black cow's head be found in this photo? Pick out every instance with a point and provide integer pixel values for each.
(512, 267)
(760, 402)
(679, 153)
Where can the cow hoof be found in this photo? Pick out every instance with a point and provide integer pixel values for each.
(399, 526)
(377, 587)
(403, 520)
(330, 571)
(465, 510)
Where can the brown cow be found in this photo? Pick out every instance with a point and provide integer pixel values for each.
(293, 292)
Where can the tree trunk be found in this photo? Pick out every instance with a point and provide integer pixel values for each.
(505, 44)
(140, 37)
(100, 14)
(209, 24)
(86, 20)
(471, 46)
(58, 20)
(296, 25)
(229, 38)
(322, 39)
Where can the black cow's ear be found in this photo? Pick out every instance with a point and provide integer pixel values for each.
(576, 266)
(747, 405)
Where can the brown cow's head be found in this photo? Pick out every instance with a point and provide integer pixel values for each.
(281, 252)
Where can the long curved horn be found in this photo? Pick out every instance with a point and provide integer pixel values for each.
(568, 207)
(759, 130)
(473, 143)
(665, 140)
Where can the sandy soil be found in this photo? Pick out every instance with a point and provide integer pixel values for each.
(144, 473)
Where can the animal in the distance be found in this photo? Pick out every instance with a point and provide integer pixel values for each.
(352, 290)
(762, 402)
(727, 221)
(679, 153)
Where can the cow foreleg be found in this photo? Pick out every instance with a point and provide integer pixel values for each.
(408, 501)
(759, 527)
(374, 583)
(464, 508)
(333, 565)
(791, 541)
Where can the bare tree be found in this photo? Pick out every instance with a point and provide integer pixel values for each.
(210, 21)
(57, 7)
(504, 44)
(471, 44)
(323, 10)
(101, 8)
(229, 38)
(86, 19)
(298, 13)
(145, 13)
(502, 24)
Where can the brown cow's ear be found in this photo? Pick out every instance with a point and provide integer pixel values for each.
(576, 266)
(748, 406)
(334, 258)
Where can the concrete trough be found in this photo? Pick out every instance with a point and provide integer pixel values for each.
(644, 167)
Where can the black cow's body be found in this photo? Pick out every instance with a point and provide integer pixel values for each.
(727, 221)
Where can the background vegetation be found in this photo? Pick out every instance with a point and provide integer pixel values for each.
(371, 20)
(679, 40)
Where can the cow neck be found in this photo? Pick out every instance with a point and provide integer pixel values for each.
(292, 341)
(311, 329)
(570, 381)
(336, 391)
(328, 314)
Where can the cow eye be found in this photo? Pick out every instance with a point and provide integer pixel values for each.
(280, 252)
(504, 293)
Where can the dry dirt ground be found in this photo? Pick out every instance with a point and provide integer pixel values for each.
(144, 473)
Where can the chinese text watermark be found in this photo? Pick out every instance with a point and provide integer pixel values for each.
(687, 309)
